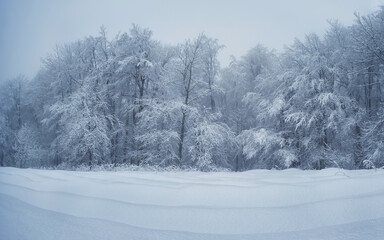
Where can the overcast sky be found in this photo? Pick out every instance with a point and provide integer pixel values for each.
(30, 29)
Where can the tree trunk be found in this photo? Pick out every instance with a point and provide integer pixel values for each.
(369, 91)
(358, 148)
(125, 148)
(90, 159)
(212, 102)
(2, 158)
(182, 132)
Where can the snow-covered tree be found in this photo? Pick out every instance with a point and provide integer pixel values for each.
(189, 76)
(28, 151)
(321, 113)
(133, 100)
(83, 138)
(211, 145)
(211, 67)
(12, 93)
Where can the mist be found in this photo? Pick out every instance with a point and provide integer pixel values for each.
(30, 30)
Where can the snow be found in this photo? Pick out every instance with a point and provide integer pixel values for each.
(259, 204)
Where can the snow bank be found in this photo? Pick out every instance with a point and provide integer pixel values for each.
(260, 204)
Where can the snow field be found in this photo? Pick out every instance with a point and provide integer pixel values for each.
(262, 204)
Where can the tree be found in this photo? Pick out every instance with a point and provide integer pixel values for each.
(133, 100)
(268, 147)
(373, 135)
(83, 138)
(28, 151)
(212, 145)
(322, 113)
(188, 56)
(211, 66)
(11, 117)
(5, 137)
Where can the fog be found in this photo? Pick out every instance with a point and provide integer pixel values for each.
(29, 30)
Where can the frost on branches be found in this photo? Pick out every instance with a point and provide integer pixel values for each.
(132, 100)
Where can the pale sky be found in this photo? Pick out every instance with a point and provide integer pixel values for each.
(30, 29)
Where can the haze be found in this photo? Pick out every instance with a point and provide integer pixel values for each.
(29, 30)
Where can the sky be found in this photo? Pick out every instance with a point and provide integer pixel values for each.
(31, 29)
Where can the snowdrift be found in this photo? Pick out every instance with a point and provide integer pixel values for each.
(259, 204)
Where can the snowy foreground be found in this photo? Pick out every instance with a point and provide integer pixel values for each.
(260, 204)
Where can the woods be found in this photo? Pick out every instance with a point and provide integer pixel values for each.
(136, 101)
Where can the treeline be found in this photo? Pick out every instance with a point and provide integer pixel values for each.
(133, 100)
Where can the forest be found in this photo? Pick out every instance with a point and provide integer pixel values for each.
(134, 101)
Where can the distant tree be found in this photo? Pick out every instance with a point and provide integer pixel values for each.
(28, 151)
(211, 67)
(11, 117)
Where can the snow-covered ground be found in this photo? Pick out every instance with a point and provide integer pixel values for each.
(260, 204)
